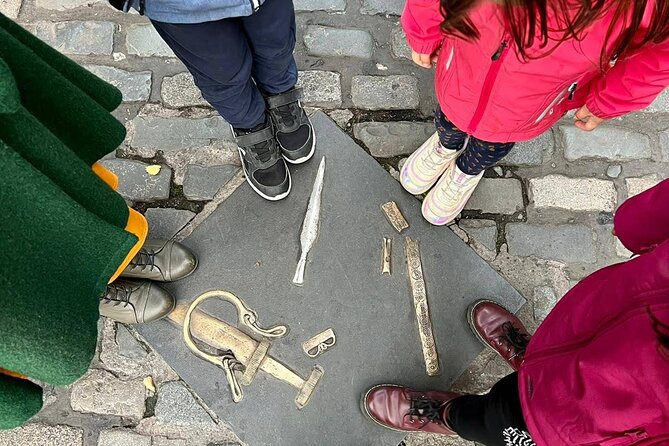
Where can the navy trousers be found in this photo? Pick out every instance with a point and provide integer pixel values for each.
(235, 61)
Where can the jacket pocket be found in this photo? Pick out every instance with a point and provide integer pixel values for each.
(567, 93)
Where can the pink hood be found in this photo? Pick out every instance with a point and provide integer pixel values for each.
(508, 100)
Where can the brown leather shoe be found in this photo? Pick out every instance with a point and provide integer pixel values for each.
(500, 330)
(407, 410)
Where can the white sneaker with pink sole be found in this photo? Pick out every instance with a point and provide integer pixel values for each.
(449, 196)
(426, 165)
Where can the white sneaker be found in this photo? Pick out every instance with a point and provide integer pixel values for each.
(426, 165)
(450, 195)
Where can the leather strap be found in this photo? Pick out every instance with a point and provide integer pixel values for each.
(254, 138)
(286, 98)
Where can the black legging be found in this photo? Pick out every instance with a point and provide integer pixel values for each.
(494, 419)
(478, 155)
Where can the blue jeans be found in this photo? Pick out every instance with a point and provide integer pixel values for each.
(235, 61)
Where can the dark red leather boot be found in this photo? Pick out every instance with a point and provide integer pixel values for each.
(407, 410)
(500, 330)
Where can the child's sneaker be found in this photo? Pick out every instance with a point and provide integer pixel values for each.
(293, 129)
(426, 165)
(264, 167)
(450, 195)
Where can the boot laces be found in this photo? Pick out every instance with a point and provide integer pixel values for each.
(430, 162)
(287, 114)
(425, 410)
(516, 340)
(262, 151)
(117, 294)
(145, 258)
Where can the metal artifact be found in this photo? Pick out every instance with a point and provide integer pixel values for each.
(310, 224)
(320, 343)
(419, 293)
(385, 255)
(242, 355)
(394, 216)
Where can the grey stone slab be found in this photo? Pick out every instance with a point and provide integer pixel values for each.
(143, 40)
(664, 145)
(544, 300)
(388, 139)
(77, 37)
(320, 5)
(128, 346)
(564, 243)
(171, 134)
(136, 184)
(180, 91)
(119, 437)
(389, 7)
(177, 406)
(385, 92)
(164, 223)
(532, 152)
(614, 170)
(661, 104)
(605, 142)
(497, 196)
(399, 44)
(250, 246)
(100, 392)
(321, 88)
(202, 183)
(483, 231)
(338, 42)
(10, 8)
(135, 86)
(34, 434)
(64, 5)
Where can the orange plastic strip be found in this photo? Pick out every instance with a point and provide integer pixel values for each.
(106, 175)
(138, 226)
(12, 374)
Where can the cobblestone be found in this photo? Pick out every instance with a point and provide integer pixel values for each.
(483, 231)
(391, 7)
(606, 142)
(336, 42)
(614, 171)
(531, 153)
(128, 345)
(99, 392)
(661, 104)
(78, 38)
(37, 434)
(664, 145)
(574, 194)
(170, 134)
(564, 243)
(396, 92)
(202, 183)
(177, 406)
(388, 139)
(637, 185)
(180, 91)
(162, 441)
(118, 437)
(341, 117)
(544, 301)
(497, 196)
(64, 5)
(135, 86)
(165, 223)
(320, 5)
(143, 40)
(10, 8)
(399, 45)
(136, 184)
(321, 88)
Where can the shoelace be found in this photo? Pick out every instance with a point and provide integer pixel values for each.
(117, 294)
(430, 163)
(145, 258)
(287, 114)
(425, 409)
(516, 340)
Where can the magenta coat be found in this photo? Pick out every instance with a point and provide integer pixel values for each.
(595, 372)
(486, 90)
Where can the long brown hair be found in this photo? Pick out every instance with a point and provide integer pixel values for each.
(528, 22)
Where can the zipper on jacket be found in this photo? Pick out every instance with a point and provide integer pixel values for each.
(450, 58)
(559, 98)
(497, 59)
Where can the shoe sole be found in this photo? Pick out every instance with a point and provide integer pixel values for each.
(365, 411)
(306, 158)
(472, 326)
(266, 197)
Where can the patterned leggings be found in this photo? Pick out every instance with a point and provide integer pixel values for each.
(478, 155)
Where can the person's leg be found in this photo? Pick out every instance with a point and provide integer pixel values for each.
(218, 56)
(434, 157)
(494, 419)
(271, 36)
(480, 155)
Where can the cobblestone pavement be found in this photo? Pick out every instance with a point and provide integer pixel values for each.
(543, 218)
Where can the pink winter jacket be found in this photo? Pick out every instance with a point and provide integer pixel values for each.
(487, 91)
(595, 372)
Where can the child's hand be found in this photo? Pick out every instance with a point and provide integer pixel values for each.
(425, 60)
(585, 120)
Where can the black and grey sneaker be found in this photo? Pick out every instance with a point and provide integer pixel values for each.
(263, 165)
(293, 128)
